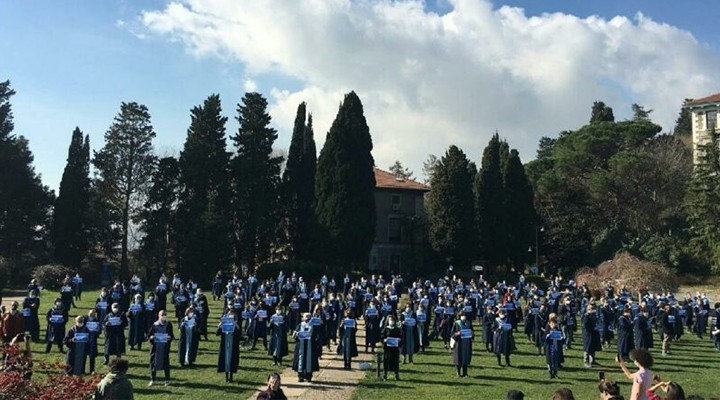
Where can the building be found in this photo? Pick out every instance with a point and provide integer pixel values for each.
(401, 224)
(704, 119)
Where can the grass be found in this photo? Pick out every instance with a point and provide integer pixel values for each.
(198, 382)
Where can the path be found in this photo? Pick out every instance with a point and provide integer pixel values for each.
(332, 382)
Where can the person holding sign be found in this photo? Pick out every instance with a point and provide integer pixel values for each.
(642, 330)
(554, 341)
(56, 318)
(411, 340)
(161, 292)
(392, 339)
(202, 311)
(181, 300)
(93, 326)
(151, 309)
(136, 322)
(77, 284)
(66, 294)
(305, 362)
(591, 336)
(503, 340)
(347, 332)
(668, 328)
(31, 305)
(422, 327)
(278, 336)
(488, 321)
(102, 304)
(372, 327)
(160, 336)
(229, 352)
(462, 351)
(189, 338)
(114, 325)
(77, 340)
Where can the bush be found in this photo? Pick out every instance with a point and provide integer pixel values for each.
(50, 276)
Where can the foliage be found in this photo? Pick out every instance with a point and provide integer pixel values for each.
(490, 203)
(204, 216)
(256, 181)
(519, 209)
(429, 166)
(400, 172)
(601, 113)
(628, 271)
(683, 123)
(450, 210)
(298, 188)
(50, 276)
(640, 113)
(70, 223)
(24, 201)
(124, 168)
(344, 187)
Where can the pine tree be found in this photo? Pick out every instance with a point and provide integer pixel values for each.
(256, 182)
(489, 203)
(24, 201)
(71, 222)
(601, 112)
(400, 171)
(158, 218)
(683, 123)
(204, 217)
(299, 187)
(344, 186)
(451, 213)
(640, 113)
(520, 216)
(124, 167)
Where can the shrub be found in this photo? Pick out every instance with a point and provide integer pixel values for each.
(50, 276)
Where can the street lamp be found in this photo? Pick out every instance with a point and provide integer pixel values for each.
(538, 229)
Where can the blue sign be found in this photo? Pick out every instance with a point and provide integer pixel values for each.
(506, 327)
(262, 314)
(149, 306)
(421, 318)
(386, 307)
(114, 321)
(135, 308)
(372, 312)
(466, 333)
(26, 312)
(161, 338)
(392, 342)
(315, 321)
(102, 304)
(468, 309)
(671, 319)
(556, 335)
(81, 337)
(93, 326)
(349, 323)
(351, 304)
(228, 324)
(57, 319)
(409, 321)
(277, 319)
(510, 305)
(439, 310)
(246, 315)
(304, 335)
(294, 306)
(449, 310)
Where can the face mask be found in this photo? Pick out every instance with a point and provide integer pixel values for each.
(115, 310)
(407, 309)
(191, 315)
(391, 322)
(163, 318)
(58, 305)
(80, 324)
(14, 307)
(463, 318)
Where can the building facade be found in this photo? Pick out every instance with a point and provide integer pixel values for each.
(704, 118)
(401, 224)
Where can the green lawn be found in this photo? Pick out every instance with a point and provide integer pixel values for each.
(693, 364)
(199, 382)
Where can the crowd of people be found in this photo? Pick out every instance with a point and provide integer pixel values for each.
(403, 319)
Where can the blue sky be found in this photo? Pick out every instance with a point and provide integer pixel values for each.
(73, 62)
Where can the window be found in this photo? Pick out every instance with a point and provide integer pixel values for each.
(711, 117)
(395, 202)
(394, 230)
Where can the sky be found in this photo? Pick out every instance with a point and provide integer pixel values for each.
(430, 73)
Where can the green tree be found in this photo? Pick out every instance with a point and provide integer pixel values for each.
(520, 217)
(124, 168)
(299, 187)
(490, 204)
(683, 123)
(400, 171)
(24, 201)
(450, 209)
(256, 182)
(157, 218)
(204, 216)
(640, 113)
(429, 166)
(601, 113)
(344, 187)
(70, 223)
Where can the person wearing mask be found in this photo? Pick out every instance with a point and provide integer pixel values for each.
(348, 346)
(202, 311)
(150, 311)
(31, 305)
(136, 323)
(217, 286)
(103, 303)
(161, 292)
(391, 336)
(642, 378)
(503, 340)
(625, 341)
(77, 341)
(115, 385)
(462, 336)
(554, 340)
(278, 328)
(160, 337)
(13, 323)
(92, 323)
(591, 336)
(304, 360)
(189, 338)
(114, 325)
(229, 352)
(488, 320)
(273, 391)
(372, 326)
(642, 330)
(411, 339)
(66, 294)
(56, 318)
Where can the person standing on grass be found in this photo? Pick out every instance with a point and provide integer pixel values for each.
(160, 336)
(554, 345)
(31, 305)
(189, 338)
(668, 328)
(229, 351)
(392, 340)
(278, 330)
(77, 341)
(114, 325)
(93, 326)
(115, 385)
(591, 336)
(488, 320)
(136, 322)
(625, 341)
(372, 326)
(503, 340)
(642, 378)
(348, 346)
(411, 339)
(56, 318)
(715, 328)
(463, 336)
(13, 323)
(305, 362)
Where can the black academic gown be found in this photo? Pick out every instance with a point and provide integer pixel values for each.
(391, 355)
(229, 351)
(56, 331)
(462, 352)
(347, 347)
(115, 334)
(305, 362)
(503, 340)
(591, 337)
(189, 340)
(278, 346)
(160, 352)
(77, 351)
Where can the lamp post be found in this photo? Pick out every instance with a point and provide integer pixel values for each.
(538, 229)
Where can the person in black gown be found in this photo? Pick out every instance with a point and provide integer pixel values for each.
(391, 339)
(160, 337)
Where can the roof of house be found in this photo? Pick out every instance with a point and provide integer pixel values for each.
(715, 98)
(387, 180)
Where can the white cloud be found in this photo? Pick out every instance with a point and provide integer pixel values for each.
(429, 80)
(249, 85)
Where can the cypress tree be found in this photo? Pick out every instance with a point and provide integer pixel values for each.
(256, 182)
(451, 214)
(204, 217)
(344, 186)
(489, 204)
(70, 224)
(299, 187)
(520, 214)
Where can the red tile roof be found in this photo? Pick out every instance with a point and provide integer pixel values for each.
(715, 98)
(387, 180)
